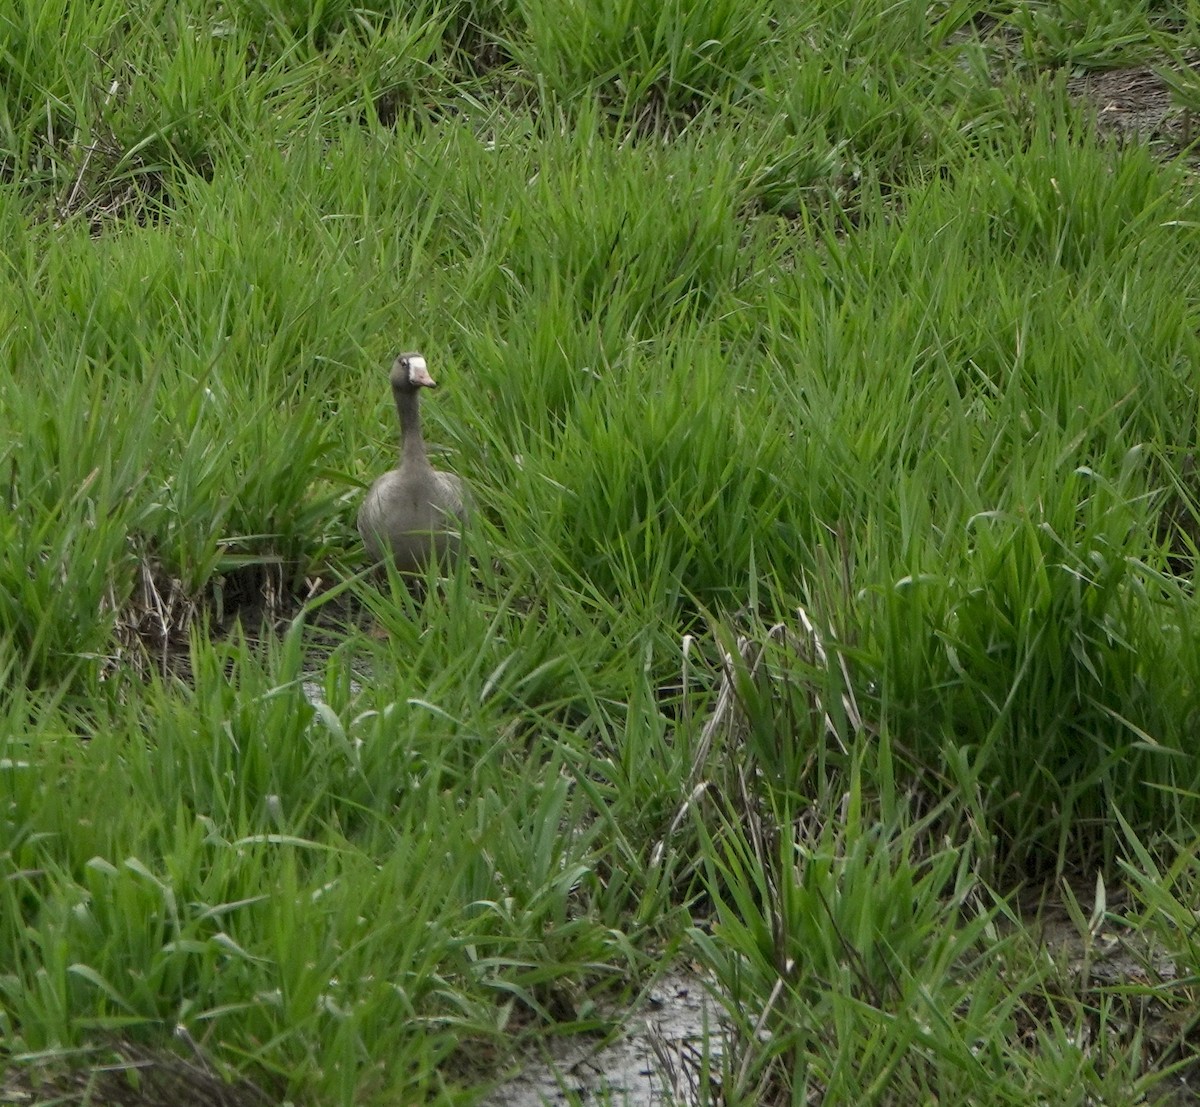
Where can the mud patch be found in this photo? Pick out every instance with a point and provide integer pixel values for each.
(666, 1054)
(1135, 102)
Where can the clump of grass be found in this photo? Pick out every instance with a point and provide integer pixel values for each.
(100, 123)
(1076, 632)
(49, 100)
(1167, 948)
(173, 103)
(1073, 215)
(1095, 35)
(868, 93)
(852, 946)
(643, 57)
(811, 834)
(843, 937)
(67, 562)
(664, 486)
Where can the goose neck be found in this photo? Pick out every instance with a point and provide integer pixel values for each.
(408, 407)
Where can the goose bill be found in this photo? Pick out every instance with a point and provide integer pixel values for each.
(419, 374)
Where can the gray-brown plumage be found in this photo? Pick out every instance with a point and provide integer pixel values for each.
(414, 512)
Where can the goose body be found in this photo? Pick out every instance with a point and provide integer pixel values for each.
(413, 513)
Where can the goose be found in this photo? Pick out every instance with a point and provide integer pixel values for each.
(413, 513)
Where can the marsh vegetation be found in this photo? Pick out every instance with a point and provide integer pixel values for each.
(826, 377)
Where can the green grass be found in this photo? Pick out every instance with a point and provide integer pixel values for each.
(828, 363)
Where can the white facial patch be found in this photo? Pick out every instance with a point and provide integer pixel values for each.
(417, 369)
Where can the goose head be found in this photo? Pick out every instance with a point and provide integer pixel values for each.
(409, 373)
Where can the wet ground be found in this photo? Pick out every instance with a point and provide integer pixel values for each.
(665, 1056)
